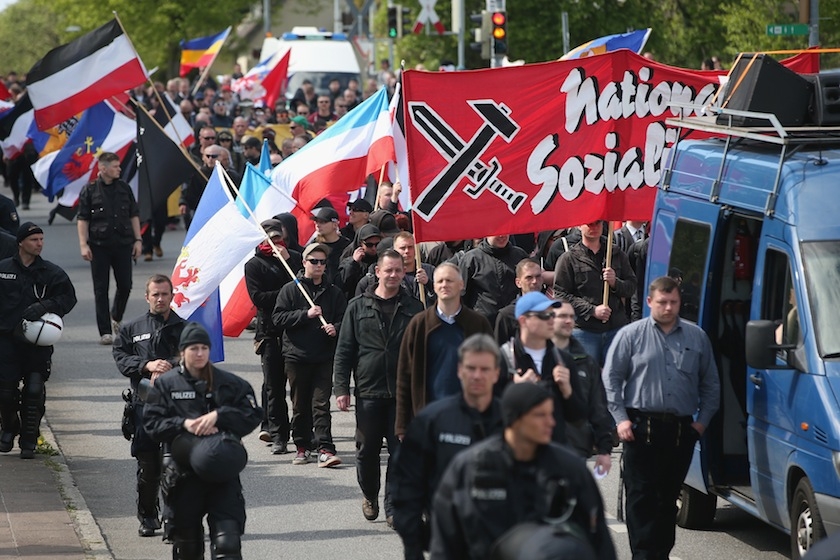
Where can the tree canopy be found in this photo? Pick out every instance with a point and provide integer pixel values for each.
(685, 32)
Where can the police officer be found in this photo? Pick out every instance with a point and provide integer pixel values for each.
(109, 238)
(516, 477)
(146, 348)
(199, 399)
(438, 433)
(30, 287)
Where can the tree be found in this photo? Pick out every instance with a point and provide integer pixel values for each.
(28, 29)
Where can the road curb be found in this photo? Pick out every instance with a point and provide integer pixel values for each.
(88, 531)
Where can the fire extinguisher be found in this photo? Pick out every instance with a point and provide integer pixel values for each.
(743, 253)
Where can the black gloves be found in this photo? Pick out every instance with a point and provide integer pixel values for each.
(34, 311)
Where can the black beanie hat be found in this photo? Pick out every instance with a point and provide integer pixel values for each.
(26, 229)
(519, 398)
(193, 333)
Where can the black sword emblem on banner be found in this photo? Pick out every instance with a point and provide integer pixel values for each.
(465, 157)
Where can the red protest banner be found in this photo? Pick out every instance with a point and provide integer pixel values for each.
(544, 146)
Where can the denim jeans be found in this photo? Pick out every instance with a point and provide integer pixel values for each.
(596, 344)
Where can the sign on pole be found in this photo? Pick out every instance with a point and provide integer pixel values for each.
(787, 29)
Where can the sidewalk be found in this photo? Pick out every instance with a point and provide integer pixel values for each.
(35, 521)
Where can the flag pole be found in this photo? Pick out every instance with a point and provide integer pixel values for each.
(419, 266)
(378, 186)
(183, 151)
(149, 80)
(232, 186)
(608, 261)
(206, 71)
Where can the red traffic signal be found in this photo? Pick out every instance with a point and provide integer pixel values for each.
(499, 32)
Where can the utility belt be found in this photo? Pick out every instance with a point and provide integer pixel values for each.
(662, 429)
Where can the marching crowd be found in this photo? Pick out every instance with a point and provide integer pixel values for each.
(489, 368)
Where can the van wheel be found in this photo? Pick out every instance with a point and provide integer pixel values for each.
(806, 525)
(695, 510)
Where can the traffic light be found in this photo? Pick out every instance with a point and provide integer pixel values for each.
(482, 34)
(499, 33)
(393, 27)
(404, 20)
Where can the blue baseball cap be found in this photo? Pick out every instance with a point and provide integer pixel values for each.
(534, 302)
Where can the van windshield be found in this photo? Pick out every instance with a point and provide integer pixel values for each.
(821, 260)
(321, 81)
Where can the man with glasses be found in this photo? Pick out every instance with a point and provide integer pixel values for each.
(192, 190)
(220, 118)
(206, 137)
(228, 140)
(340, 108)
(298, 126)
(359, 215)
(532, 357)
(327, 232)
(593, 434)
(324, 111)
(354, 266)
(308, 349)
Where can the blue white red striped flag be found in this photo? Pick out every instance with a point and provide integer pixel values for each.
(265, 201)
(339, 159)
(218, 239)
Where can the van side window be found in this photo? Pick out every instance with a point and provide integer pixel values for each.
(687, 266)
(779, 299)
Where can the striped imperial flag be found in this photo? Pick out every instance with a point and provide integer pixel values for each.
(201, 52)
(75, 76)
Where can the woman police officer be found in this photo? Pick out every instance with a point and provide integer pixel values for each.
(202, 411)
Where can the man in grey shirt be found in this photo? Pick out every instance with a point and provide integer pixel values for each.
(659, 372)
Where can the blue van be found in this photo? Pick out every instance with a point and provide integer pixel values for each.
(750, 219)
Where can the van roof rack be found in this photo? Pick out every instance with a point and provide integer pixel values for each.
(789, 139)
(773, 133)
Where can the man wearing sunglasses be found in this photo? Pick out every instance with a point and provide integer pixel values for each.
(308, 349)
(532, 357)
(356, 261)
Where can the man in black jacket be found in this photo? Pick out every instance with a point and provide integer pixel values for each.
(579, 278)
(438, 433)
(109, 238)
(30, 287)
(369, 346)
(265, 275)
(592, 434)
(309, 338)
(146, 348)
(513, 478)
(533, 358)
(489, 272)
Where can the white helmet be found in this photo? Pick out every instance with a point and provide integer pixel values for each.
(44, 331)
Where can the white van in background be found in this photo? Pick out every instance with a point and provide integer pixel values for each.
(317, 56)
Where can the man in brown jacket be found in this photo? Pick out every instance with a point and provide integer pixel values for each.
(428, 362)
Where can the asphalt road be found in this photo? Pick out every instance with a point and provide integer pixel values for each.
(293, 511)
